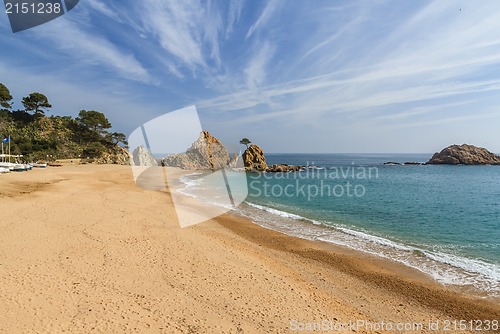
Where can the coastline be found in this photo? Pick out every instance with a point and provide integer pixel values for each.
(380, 273)
(360, 242)
(114, 258)
(471, 275)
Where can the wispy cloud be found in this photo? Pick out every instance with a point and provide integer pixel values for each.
(212, 30)
(256, 70)
(265, 16)
(433, 60)
(103, 8)
(86, 47)
(233, 16)
(446, 120)
(173, 24)
(182, 28)
(419, 111)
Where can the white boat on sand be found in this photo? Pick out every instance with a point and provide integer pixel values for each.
(13, 167)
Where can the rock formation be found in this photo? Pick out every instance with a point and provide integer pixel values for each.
(464, 155)
(284, 168)
(142, 157)
(235, 162)
(120, 157)
(207, 152)
(254, 159)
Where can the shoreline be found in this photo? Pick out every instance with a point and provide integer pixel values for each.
(82, 248)
(391, 251)
(381, 273)
(392, 255)
(382, 269)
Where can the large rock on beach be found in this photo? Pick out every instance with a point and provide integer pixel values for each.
(207, 152)
(142, 157)
(464, 155)
(254, 159)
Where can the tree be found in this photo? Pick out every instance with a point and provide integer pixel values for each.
(93, 120)
(118, 137)
(36, 102)
(245, 141)
(5, 97)
(94, 150)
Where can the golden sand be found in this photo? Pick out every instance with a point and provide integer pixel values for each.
(83, 250)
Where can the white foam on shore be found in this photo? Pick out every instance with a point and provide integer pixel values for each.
(194, 188)
(189, 181)
(443, 267)
(275, 212)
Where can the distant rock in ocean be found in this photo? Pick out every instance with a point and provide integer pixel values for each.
(207, 152)
(142, 157)
(254, 159)
(284, 168)
(408, 163)
(464, 155)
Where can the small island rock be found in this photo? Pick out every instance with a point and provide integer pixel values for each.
(464, 155)
(254, 159)
(284, 168)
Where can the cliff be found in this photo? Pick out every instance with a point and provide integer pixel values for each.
(464, 155)
(207, 152)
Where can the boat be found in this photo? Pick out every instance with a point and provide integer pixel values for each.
(13, 167)
(19, 168)
(8, 165)
(39, 165)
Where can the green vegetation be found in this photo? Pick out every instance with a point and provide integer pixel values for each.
(40, 137)
(36, 102)
(5, 97)
(245, 141)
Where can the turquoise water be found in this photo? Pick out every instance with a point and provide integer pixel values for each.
(443, 220)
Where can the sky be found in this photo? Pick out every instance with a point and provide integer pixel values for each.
(292, 76)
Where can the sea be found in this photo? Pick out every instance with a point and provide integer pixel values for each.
(442, 220)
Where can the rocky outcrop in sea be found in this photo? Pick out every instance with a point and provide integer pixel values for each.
(207, 152)
(284, 168)
(464, 155)
(254, 159)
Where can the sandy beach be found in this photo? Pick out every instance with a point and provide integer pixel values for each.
(84, 250)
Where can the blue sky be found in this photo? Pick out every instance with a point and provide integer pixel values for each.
(293, 76)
